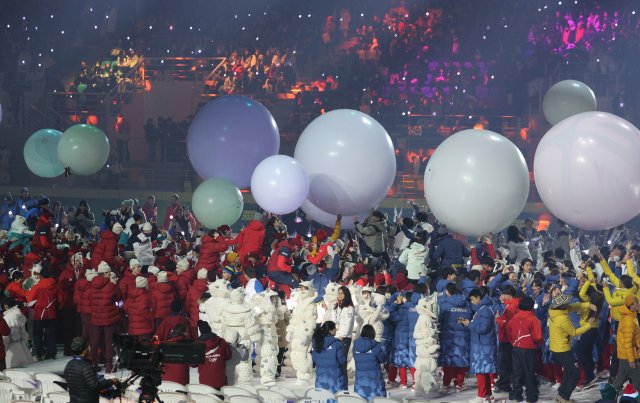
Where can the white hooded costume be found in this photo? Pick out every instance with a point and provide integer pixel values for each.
(238, 316)
(15, 344)
(369, 315)
(330, 300)
(426, 336)
(268, 316)
(300, 332)
(213, 307)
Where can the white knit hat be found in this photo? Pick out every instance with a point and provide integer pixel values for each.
(117, 228)
(77, 257)
(183, 264)
(162, 277)
(141, 282)
(202, 274)
(154, 270)
(90, 274)
(134, 263)
(103, 267)
(36, 268)
(147, 227)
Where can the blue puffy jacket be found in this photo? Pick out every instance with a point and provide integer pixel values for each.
(452, 252)
(321, 280)
(368, 355)
(389, 327)
(399, 355)
(467, 286)
(441, 289)
(454, 343)
(8, 213)
(413, 319)
(25, 205)
(484, 342)
(329, 365)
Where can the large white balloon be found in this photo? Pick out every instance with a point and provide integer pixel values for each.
(567, 98)
(329, 220)
(279, 184)
(350, 161)
(587, 170)
(461, 177)
(84, 149)
(217, 201)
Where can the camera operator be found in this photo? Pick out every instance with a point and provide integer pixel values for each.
(82, 380)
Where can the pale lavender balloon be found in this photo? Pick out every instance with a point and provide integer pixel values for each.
(587, 170)
(230, 136)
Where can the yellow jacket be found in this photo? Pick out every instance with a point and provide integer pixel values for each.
(584, 315)
(334, 236)
(561, 330)
(618, 296)
(628, 335)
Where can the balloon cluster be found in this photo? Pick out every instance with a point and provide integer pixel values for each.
(344, 163)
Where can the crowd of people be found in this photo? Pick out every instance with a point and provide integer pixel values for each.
(387, 297)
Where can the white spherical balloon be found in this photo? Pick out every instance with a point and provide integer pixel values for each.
(587, 170)
(84, 149)
(460, 182)
(279, 184)
(329, 220)
(217, 201)
(568, 98)
(350, 161)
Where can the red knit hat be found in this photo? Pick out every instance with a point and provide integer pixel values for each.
(321, 236)
(279, 236)
(224, 228)
(296, 243)
(379, 279)
(360, 269)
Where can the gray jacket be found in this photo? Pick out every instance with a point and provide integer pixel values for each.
(375, 235)
(239, 353)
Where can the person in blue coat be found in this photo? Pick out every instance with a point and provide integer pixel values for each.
(454, 342)
(451, 251)
(8, 212)
(25, 202)
(471, 283)
(484, 346)
(448, 275)
(399, 358)
(368, 355)
(328, 355)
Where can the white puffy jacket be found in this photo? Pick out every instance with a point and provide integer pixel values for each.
(414, 257)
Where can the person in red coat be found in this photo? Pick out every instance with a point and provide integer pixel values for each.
(45, 293)
(71, 320)
(81, 296)
(152, 272)
(279, 266)
(42, 242)
(212, 245)
(29, 260)
(214, 370)
(161, 297)
(150, 209)
(5, 330)
(176, 316)
(104, 315)
(185, 279)
(128, 280)
(177, 372)
(171, 211)
(251, 238)
(195, 293)
(107, 250)
(15, 287)
(138, 307)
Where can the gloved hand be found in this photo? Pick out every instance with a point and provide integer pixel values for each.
(304, 340)
(289, 337)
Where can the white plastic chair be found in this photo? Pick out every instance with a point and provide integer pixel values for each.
(284, 391)
(237, 391)
(351, 398)
(385, 400)
(132, 394)
(346, 393)
(174, 397)
(201, 389)
(319, 394)
(23, 401)
(271, 396)
(9, 391)
(104, 400)
(242, 399)
(167, 386)
(24, 380)
(251, 388)
(46, 380)
(200, 398)
(56, 397)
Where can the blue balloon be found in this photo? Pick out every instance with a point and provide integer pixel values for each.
(41, 153)
(230, 136)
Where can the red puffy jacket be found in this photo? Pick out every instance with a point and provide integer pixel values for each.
(214, 370)
(161, 297)
(104, 296)
(510, 309)
(126, 284)
(66, 284)
(183, 283)
(28, 263)
(17, 292)
(195, 292)
(251, 239)
(281, 259)
(153, 281)
(82, 295)
(42, 242)
(210, 252)
(524, 330)
(106, 251)
(138, 307)
(45, 293)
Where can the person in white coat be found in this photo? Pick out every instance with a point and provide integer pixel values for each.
(518, 249)
(143, 249)
(213, 307)
(238, 316)
(300, 332)
(344, 318)
(413, 257)
(15, 344)
(426, 336)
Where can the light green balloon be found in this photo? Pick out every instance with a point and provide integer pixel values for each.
(41, 153)
(84, 149)
(217, 201)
